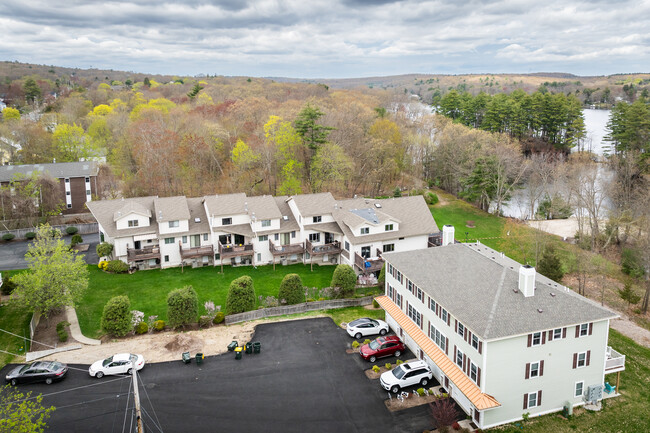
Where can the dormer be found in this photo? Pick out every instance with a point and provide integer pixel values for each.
(172, 214)
(371, 221)
(132, 215)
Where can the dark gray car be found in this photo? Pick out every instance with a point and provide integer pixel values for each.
(40, 371)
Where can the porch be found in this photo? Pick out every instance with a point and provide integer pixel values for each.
(614, 361)
(323, 251)
(286, 251)
(195, 254)
(368, 265)
(145, 253)
(243, 251)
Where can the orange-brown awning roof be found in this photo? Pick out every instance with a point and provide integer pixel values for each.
(463, 383)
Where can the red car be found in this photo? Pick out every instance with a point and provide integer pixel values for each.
(382, 346)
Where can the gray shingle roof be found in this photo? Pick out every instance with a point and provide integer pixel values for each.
(56, 170)
(226, 204)
(290, 224)
(171, 209)
(104, 212)
(314, 204)
(195, 206)
(132, 206)
(476, 285)
(264, 207)
(325, 227)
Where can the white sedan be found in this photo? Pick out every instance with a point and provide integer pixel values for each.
(117, 364)
(366, 326)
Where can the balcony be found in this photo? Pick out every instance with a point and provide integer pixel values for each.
(367, 266)
(319, 250)
(189, 253)
(285, 250)
(234, 250)
(614, 361)
(146, 253)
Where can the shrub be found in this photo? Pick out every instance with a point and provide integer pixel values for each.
(375, 304)
(30, 235)
(455, 426)
(104, 249)
(388, 365)
(345, 279)
(381, 279)
(443, 411)
(136, 318)
(399, 362)
(71, 230)
(159, 325)
(61, 332)
(291, 289)
(366, 341)
(219, 317)
(431, 198)
(182, 306)
(376, 368)
(355, 344)
(241, 295)
(205, 321)
(116, 318)
(8, 286)
(631, 263)
(8, 237)
(117, 267)
(76, 240)
(420, 392)
(142, 328)
(102, 265)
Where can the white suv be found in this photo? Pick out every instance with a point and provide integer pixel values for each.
(410, 373)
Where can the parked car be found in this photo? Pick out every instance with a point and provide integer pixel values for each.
(367, 326)
(40, 371)
(407, 374)
(117, 364)
(382, 346)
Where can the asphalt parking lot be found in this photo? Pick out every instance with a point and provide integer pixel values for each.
(12, 254)
(302, 381)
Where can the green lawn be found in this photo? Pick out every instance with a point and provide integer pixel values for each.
(148, 290)
(628, 413)
(15, 319)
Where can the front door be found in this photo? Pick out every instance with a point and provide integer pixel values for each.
(137, 245)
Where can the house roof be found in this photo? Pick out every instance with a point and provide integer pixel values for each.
(196, 209)
(57, 170)
(264, 207)
(171, 209)
(325, 227)
(132, 206)
(463, 383)
(314, 204)
(104, 212)
(238, 229)
(414, 217)
(477, 286)
(226, 204)
(290, 224)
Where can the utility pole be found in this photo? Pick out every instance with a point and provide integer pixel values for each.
(136, 398)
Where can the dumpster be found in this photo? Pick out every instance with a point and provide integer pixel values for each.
(232, 345)
(186, 358)
(257, 346)
(238, 351)
(249, 348)
(199, 358)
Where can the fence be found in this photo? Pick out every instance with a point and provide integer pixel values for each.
(84, 229)
(297, 308)
(36, 318)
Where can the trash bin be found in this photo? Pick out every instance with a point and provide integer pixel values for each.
(232, 345)
(249, 348)
(238, 351)
(199, 358)
(257, 346)
(186, 358)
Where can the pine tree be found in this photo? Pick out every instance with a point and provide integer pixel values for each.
(549, 265)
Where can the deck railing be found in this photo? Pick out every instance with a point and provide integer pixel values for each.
(146, 253)
(188, 253)
(331, 248)
(283, 250)
(232, 250)
(614, 360)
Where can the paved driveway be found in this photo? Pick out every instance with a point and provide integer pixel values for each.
(302, 381)
(12, 254)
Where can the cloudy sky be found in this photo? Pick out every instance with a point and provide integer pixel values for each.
(330, 38)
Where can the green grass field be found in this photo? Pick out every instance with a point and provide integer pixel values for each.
(147, 290)
(15, 319)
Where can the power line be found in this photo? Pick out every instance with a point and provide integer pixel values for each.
(25, 338)
(151, 404)
(9, 353)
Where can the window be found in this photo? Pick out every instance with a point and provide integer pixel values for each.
(582, 359)
(398, 299)
(365, 252)
(475, 342)
(263, 238)
(365, 230)
(317, 219)
(87, 192)
(67, 180)
(293, 234)
(432, 305)
(461, 329)
(67, 193)
(459, 358)
(69, 206)
(409, 285)
(226, 221)
(415, 315)
(184, 239)
(533, 370)
(579, 389)
(584, 329)
(389, 291)
(133, 223)
(205, 237)
(166, 259)
(389, 227)
(276, 236)
(347, 246)
(439, 338)
(173, 224)
(266, 223)
(473, 373)
(532, 400)
(259, 257)
(388, 248)
(537, 339)
(169, 240)
(314, 237)
(557, 334)
(444, 315)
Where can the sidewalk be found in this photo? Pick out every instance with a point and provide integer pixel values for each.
(75, 330)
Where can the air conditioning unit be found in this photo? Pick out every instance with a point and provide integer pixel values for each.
(594, 393)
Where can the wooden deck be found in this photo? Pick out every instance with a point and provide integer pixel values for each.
(189, 253)
(367, 266)
(226, 251)
(319, 250)
(146, 253)
(284, 250)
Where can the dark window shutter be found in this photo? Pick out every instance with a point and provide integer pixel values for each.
(525, 401)
(527, 370)
(437, 310)
(550, 335)
(588, 357)
(429, 331)
(543, 337)
(478, 376)
(530, 339)
(539, 397)
(454, 354)
(591, 328)
(563, 332)
(577, 331)
(464, 363)
(456, 324)
(480, 347)
(446, 346)
(541, 368)
(448, 319)
(575, 360)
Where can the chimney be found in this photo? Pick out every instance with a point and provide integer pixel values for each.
(527, 280)
(447, 235)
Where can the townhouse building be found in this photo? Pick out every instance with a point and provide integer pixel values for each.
(233, 229)
(500, 338)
